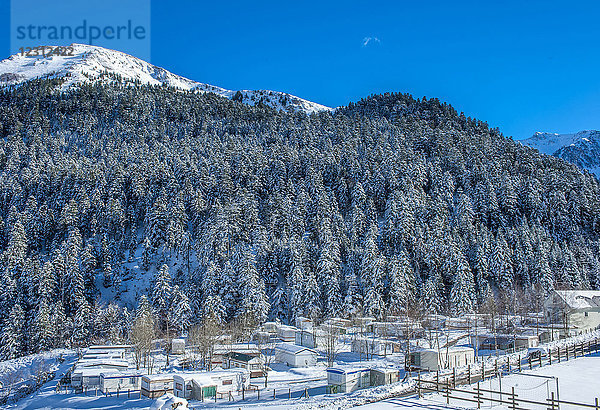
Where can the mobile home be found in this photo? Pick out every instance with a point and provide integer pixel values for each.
(374, 346)
(347, 379)
(86, 373)
(112, 382)
(155, 385)
(383, 376)
(254, 364)
(305, 338)
(286, 333)
(88, 378)
(178, 346)
(434, 359)
(304, 323)
(208, 384)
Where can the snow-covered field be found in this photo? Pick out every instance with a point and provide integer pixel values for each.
(578, 381)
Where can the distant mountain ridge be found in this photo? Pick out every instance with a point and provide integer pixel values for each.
(581, 148)
(90, 64)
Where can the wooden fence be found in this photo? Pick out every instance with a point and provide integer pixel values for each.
(446, 383)
(480, 396)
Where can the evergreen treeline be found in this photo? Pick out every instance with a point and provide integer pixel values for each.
(234, 212)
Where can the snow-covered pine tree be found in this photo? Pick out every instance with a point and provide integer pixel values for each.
(13, 336)
(254, 305)
(162, 293)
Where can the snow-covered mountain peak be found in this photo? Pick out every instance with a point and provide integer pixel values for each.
(92, 63)
(581, 148)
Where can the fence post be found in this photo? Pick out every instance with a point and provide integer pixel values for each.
(273, 394)
(469, 374)
(437, 381)
(567, 353)
(514, 404)
(508, 363)
(454, 377)
(306, 392)
(419, 385)
(552, 401)
(289, 393)
(519, 362)
(448, 392)
(540, 360)
(483, 371)
(243, 393)
(496, 366)
(478, 396)
(529, 360)
(597, 406)
(257, 393)
(549, 355)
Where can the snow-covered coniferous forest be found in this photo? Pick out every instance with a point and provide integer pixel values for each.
(120, 201)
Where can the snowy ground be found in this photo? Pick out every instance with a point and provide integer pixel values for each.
(578, 381)
(18, 377)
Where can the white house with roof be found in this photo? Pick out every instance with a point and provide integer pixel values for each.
(295, 356)
(577, 311)
(345, 379)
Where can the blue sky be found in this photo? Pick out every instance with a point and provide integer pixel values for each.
(521, 67)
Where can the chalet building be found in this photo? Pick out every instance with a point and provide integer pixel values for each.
(578, 311)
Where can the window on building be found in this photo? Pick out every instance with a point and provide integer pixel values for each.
(226, 382)
(585, 314)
